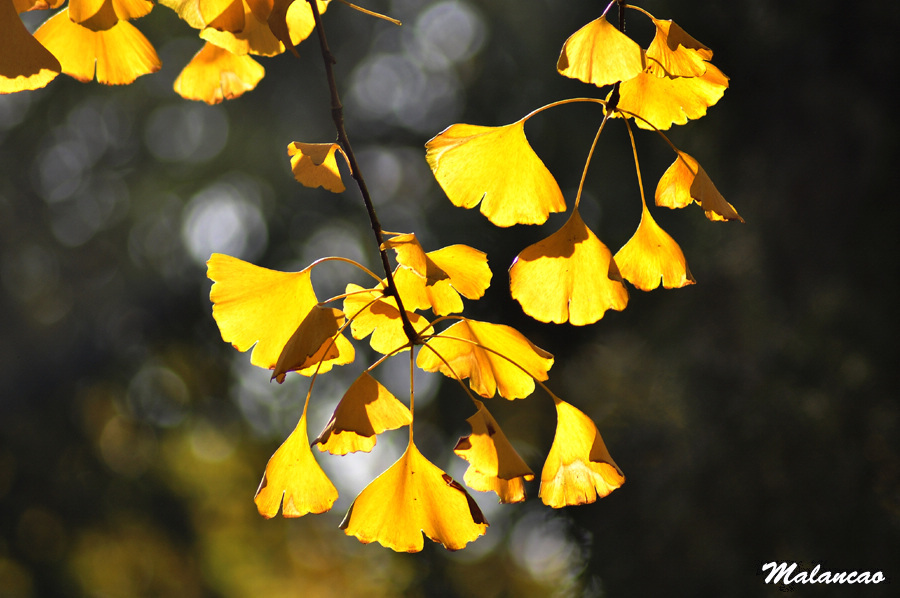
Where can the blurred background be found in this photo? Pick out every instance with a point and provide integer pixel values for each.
(755, 414)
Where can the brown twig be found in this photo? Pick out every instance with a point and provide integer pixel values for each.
(337, 115)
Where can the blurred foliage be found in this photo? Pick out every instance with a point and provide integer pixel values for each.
(755, 414)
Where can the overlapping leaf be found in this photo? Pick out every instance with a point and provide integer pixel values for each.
(367, 409)
(372, 313)
(293, 480)
(414, 496)
(685, 182)
(496, 358)
(679, 54)
(663, 101)
(261, 308)
(437, 279)
(214, 75)
(316, 340)
(568, 277)
(24, 63)
(315, 165)
(494, 465)
(578, 468)
(494, 166)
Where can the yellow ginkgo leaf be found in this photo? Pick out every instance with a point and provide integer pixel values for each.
(372, 313)
(27, 5)
(578, 468)
(664, 101)
(651, 256)
(214, 75)
(496, 167)
(679, 54)
(258, 306)
(494, 465)
(496, 358)
(187, 10)
(367, 409)
(684, 182)
(436, 279)
(313, 342)
(314, 165)
(568, 277)
(254, 38)
(292, 20)
(411, 497)
(24, 63)
(599, 53)
(293, 480)
(132, 9)
(96, 15)
(120, 54)
(223, 15)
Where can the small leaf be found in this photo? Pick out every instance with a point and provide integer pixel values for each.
(664, 101)
(258, 306)
(679, 54)
(568, 277)
(490, 355)
(24, 63)
(684, 182)
(214, 75)
(120, 54)
(314, 341)
(579, 468)
(411, 497)
(494, 166)
(293, 480)
(367, 409)
(314, 165)
(599, 53)
(436, 279)
(494, 465)
(372, 313)
(651, 256)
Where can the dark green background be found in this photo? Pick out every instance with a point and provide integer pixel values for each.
(754, 414)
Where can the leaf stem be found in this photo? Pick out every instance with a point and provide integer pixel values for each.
(637, 165)
(337, 115)
(588, 161)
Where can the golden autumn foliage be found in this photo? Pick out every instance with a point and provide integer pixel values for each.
(414, 496)
(569, 276)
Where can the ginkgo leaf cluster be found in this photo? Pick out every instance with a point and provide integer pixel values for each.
(571, 275)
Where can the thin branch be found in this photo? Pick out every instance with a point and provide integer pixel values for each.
(337, 115)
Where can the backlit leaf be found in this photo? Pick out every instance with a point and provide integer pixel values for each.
(411, 497)
(490, 367)
(651, 256)
(568, 277)
(314, 165)
(496, 167)
(223, 15)
(684, 182)
(214, 75)
(367, 409)
(494, 465)
(372, 313)
(312, 343)
(24, 63)
(121, 54)
(96, 15)
(664, 101)
(599, 53)
(254, 38)
(578, 468)
(27, 5)
(679, 54)
(293, 480)
(258, 306)
(436, 279)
